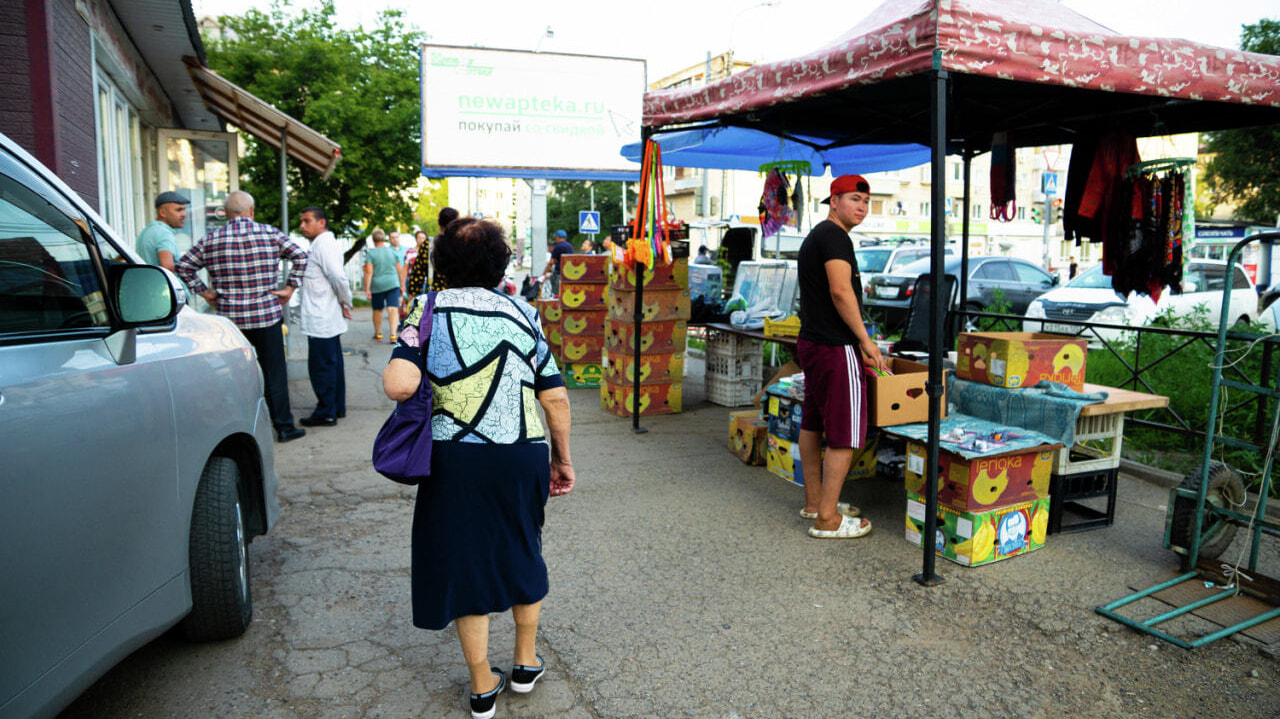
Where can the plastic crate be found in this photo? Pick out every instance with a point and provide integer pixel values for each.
(1066, 491)
(731, 392)
(1077, 459)
(729, 365)
(718, 341)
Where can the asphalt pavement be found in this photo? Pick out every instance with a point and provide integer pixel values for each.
(683, 584)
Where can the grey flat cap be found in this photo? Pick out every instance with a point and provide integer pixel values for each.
(171, 196)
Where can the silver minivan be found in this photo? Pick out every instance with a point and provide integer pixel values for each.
(136, 459)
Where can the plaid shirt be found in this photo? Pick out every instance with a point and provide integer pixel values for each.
(243, 261)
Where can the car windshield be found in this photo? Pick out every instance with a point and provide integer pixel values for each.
(1092, 279)
(872, 260)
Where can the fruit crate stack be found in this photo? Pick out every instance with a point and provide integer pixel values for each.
(734, 367)
(549, 312)
(584, 296)
(781, 410)
(663, 336)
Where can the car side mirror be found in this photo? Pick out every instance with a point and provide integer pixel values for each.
(142, 294)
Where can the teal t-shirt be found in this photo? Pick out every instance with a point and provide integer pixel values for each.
(155, 237)
(385, 276)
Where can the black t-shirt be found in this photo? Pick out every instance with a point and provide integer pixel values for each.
(819, 320)
(558, 250)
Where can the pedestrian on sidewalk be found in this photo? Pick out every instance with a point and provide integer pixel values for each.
(243, 261)
(326, 305)
(477, 522)
(420, 273)
(832, 348)
(157, 243)
(383, 284)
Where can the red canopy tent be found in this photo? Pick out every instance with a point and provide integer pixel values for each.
(951, 73)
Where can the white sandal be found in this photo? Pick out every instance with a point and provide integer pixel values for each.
(848, 529)
(843, 508)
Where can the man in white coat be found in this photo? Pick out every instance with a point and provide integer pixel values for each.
(326, 305)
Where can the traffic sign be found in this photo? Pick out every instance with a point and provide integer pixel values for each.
(1049, 183)
(588, 222)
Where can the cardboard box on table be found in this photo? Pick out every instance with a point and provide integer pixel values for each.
(782, 458)
(582, 375)
(619, 368)
(654, 398)
(658, 305)
(983, 483)
(581, 349)
(748, 436)
(580, 323)
(659, 277)
(583, 297)
(900, 398)
(1021, 359)
(655, 337)
(976, 538)
(588, 269)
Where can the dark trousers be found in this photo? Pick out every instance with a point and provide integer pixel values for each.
(328, 377)
(269, 344)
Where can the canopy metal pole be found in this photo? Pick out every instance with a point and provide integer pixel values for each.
(284, 179)
(937, 234)
(964, 249)
(637, 315)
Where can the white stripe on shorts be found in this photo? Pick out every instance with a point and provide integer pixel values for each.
(855, 393)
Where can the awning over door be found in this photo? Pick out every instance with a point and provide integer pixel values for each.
(262, 120)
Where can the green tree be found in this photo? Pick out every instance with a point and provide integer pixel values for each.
(433, 198)
(1245, 169)
(569, 197)
(359, 88)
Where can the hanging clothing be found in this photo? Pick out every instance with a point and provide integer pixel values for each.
(1106, 201)
(775, 208)
(1004, 171)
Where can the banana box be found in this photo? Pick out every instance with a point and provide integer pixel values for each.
(582, 375)
(748, 436)
(900, 398)
(654, 398)
(579, 323)
(655, 337)
(548, 310)
(659, 277)
(581, 349)
(979, 484)
(782, 457)
(658, 305)
(619, 368)
(582, 296)
(976, 538)
(783, 412)
(1021, 359)
(589, 269)
(554, 336)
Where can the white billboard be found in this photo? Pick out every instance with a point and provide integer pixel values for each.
(508, 113)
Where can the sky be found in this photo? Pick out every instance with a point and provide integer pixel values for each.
(675, 34)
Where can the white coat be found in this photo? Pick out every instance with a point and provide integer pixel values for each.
(325, 289)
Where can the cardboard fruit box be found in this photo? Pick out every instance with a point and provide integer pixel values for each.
(1021, 359)
(582, 296)
(654, 398)
(747, 436)
(655, 337)
(658, 305)
(548, 310)
(582, 375)
(577, 323)
(973, 539)
(900, 398)
(582, 349)
(554, 337)
(588, 269)
(783, 412)
(659, 277)
(619, 368)
(782, 458)
(979, 484)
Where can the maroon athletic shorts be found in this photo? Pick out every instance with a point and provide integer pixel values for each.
(835, 392)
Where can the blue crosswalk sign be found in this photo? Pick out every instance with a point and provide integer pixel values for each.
(588, 222)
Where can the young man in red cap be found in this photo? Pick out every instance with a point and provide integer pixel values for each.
(832, 348)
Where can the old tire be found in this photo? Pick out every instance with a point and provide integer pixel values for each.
(221, 606)
(1226, 489)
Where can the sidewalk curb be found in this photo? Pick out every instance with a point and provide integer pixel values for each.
(1150, 475)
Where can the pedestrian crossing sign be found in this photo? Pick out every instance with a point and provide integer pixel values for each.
(588, 222)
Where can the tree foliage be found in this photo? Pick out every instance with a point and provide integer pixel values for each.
(1245, 170)
(359, 88)
(568, 197)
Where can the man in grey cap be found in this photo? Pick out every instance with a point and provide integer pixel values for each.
(156, 244)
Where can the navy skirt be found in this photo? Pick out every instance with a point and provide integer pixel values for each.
(477, 531)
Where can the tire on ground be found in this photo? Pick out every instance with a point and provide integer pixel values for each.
(1226, 489)
(221, 605)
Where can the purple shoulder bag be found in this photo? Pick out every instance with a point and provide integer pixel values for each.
(402, 449)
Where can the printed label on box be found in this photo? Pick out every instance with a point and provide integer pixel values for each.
(915, 464)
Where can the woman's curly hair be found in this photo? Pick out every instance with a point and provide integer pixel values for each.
(472, 253)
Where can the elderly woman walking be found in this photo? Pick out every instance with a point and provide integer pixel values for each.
(477, 523)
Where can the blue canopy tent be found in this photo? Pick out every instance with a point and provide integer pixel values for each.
(740, 148)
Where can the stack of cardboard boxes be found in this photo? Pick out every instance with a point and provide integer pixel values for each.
(781, 413)
(663, 327)
(584, 296)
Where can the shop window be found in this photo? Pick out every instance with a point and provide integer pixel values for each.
(1022, 213)
(120, 185)
(925, 209)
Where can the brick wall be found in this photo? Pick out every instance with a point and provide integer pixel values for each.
(74, 98)
(15, 77)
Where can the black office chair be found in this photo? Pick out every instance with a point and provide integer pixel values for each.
(915, 335)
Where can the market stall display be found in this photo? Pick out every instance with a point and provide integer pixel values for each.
(657, 366)
(584, 293)
(781, 409)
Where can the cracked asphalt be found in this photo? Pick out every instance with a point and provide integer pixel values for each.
(683, 584)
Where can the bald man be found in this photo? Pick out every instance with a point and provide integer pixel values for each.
(243, 259)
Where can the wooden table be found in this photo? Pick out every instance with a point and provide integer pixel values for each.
(1120, 400)
(753, 334)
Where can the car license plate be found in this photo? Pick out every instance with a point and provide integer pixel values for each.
(1056, 328)
(886, 293)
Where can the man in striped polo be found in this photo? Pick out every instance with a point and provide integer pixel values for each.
(832, 348)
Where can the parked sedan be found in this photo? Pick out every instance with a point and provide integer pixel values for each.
(888, 296)
(137, 451)
(1090, 298)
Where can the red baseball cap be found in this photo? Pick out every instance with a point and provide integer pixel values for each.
(848, 183)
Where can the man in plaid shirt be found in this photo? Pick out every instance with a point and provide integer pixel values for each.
(243, 260)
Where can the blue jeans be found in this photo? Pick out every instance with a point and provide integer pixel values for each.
(328, 376)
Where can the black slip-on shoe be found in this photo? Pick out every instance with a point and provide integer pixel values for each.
(523, 678)
(314, 421)
(288, 433)
(482, 705)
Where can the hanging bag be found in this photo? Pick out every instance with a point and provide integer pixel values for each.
(402, 449)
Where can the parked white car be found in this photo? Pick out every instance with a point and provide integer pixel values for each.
(1090, 298)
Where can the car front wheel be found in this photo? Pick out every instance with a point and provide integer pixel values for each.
(221, 606)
